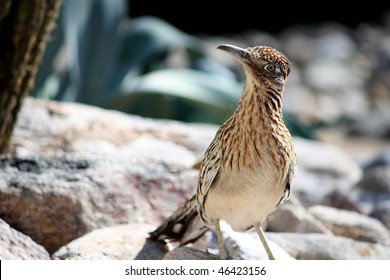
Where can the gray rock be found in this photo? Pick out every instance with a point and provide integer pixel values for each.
(381, 160)
(322, 169)
(238, 245)
(298, 43)
(331, 41)
(247, 245)
(334, 42)
(316, 246)
(94, 170)
(329, 75)
(351, 224)
(87, 256)
(376, 124)
(374, 187)
(381, 212)
(76, 128)
(292, 100)
(291, 216)
(376, 179)
(341, 200)
(121, 242)
(368, 200)
(333, 72)
(17, 246)
(55, 199)
(188, 253)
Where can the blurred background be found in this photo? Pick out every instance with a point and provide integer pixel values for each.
(160, 60)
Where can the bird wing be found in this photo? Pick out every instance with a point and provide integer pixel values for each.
(209, 169)
(291, 170)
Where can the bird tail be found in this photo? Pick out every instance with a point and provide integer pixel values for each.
(184, 225)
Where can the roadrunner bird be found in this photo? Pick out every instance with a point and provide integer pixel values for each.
(248, 168)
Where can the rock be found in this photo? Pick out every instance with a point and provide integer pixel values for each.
(293, 98)
(291, 216)
(376, 179)
(316, 246)
(17, 246)
(238, 245)
(55, 199)
(381, 211)
(151, 148)
(88, 256)
(351, 224)
(341, 200)
(93, 181)
(322, 169)
(381, 160)
(247, 245)
(334, 42)
(59, 127)
(324, 103)
(367, 200)
(188, 253)
(332, 71)
(374, 187)
(121, 242)
(376, 124)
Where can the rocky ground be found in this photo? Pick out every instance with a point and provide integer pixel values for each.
(81, 182)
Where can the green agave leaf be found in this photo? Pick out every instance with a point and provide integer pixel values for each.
(91, 29)
(147, 40)
(144, 43)
(210, 65)
(175, 93)
(203, 87)
(159, 28)
(46, 68)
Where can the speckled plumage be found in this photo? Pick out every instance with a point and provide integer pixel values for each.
(248, 168)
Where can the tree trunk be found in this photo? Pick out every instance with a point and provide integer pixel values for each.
(25, 26)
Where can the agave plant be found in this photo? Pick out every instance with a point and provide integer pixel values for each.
(100, 57)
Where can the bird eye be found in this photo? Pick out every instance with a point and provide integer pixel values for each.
(269, 67)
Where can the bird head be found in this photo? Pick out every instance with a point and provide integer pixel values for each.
(262, 64)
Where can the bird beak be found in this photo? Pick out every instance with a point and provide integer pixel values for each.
(239, 53)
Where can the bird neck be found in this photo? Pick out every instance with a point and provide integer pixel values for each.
(256, 129)
(259, 104)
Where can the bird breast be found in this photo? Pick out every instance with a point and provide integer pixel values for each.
(246, 197)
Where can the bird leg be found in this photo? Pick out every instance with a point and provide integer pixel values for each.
(222, 252)
(264, 242)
